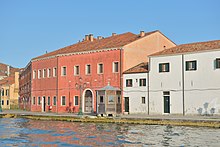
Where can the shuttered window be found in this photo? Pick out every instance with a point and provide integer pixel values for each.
(217, 63)
(164, 67)
(191, 65)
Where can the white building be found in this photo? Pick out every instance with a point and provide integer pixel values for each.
(135, 91)
(186, 79)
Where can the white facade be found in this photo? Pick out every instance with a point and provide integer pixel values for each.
(189, 92)
(136, 94)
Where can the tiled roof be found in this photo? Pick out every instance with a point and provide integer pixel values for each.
(140, 68)
(105, 43)
(192, 47)
(3, 69)
(8, 80)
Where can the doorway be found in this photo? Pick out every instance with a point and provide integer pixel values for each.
(43, 104)
(166, 102)
(126, 104)
(88, 101)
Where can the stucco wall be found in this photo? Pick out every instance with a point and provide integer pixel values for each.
(166, 81)
(201, 87)
(135, 93)
(137, 51)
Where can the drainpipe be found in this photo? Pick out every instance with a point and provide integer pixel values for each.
(121, 84)
(183, 84)
(57, 87)
(148, 88)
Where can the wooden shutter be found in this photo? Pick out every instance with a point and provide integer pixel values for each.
(187, 65)
(160, 67)
(194, 65)
(167, 67)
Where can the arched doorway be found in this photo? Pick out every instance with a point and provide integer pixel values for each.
(88, 101)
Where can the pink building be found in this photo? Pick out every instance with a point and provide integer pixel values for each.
(67, 79)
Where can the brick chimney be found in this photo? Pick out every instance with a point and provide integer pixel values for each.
(91, 37)
(8, 70)
(99, 37)
(113, 34)
(86, 37)
(142, 33)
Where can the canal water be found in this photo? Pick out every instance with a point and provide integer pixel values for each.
(24, 132)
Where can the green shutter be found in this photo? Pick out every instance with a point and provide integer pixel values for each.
(168, 67)
(194, 65)
(187, 65)
(160, 67)
(217, 63)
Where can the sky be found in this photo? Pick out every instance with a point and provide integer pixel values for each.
(29, 28)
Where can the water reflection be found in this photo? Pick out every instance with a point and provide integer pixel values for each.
(23, 132)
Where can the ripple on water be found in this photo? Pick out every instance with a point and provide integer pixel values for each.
(23, 132)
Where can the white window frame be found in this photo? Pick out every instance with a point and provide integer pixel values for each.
(39, 74)
(33, 100)
(88, 65)
(55, 101)
(62, 100)
(34, 74)
(75, 99)
(44, 73)
(62, 71)
(48, 72)
(54, 72)
(76, 69)
(113, 67)
(98, 71)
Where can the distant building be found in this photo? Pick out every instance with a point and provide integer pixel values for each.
(25, 87)
(9, 91)
(186, 79)
(9, 85)
(65, 79)
(135, 89)
(6, 70)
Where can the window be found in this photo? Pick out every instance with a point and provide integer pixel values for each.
(88, 69)
(54, 72)
(76, 70)
(142, 82)
(7, 92)
(101, 99)
(44, 73)
(164, 67)
(129, 83)
(191, 65)
(143, 100)
(115, 67)
(34, 74)
(7, 102)
(63, 71)
(33, 101)
(48, 72)
(3, 92)
(2, 102)
(119, 99)
(39, 74)
(111, 99)
(48, 101)
(166, 93)
(54, 100)
(38, 101)
(100, 68)
(76, 100)
(63, 100)
(217, 63)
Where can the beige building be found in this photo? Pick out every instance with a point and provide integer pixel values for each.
(9, 91)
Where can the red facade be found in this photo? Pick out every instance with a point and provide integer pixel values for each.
(25, 88)
(78, 81)
(67, 79)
